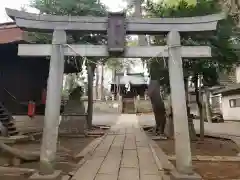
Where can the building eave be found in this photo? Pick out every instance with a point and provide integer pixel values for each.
(10, 33)
(228, 89)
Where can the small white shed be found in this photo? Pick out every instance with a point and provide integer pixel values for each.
(230, 103)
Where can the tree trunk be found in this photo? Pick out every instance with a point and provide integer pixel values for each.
(198, 93)
(157, 105)
(169, 129)
(71, 81)
(97, 82)
(102, 82)
(192, 132)
(90, 97)
(207, 104)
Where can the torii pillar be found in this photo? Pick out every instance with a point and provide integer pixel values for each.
(52, 109)
(180, 117)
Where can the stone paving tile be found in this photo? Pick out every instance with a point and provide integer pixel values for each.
(111, 165)
(119, 138)
(106, 143)
(147, 163)
(130, 159)
(130, 145)
(112, 162)
(142, 144)
(130, 142)
(150, 177)
(90, 148)
(129, 174)
(116, 151)
(118, 141)
(106, 177)
(89, 169)
(103, 148)
(100, 153)
(130, 137)
(140, 137)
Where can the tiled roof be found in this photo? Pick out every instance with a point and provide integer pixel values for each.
(9, 32)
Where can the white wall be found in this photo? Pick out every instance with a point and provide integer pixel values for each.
(194, 109)
(238, 74)
(228, 112)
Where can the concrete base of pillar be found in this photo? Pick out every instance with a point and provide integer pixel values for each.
(179, 176)
(55, 176)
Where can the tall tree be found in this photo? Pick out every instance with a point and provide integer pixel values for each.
(223, 56)
(102, 82)
(154, 86)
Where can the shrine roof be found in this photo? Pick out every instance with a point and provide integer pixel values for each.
(133, 78)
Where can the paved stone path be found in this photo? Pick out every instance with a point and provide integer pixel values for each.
(123, 154)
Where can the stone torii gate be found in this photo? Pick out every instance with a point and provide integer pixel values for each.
(116, 26)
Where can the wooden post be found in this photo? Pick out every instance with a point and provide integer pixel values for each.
(53, 102)
(97, 82)
(90, 97)
(202, 109)
(178, 98)
(102, 83)
(207, 104)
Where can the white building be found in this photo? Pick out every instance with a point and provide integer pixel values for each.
(224, 98)
(228, 99)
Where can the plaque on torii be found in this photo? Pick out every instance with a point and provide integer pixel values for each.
(116, 32)
(113, 26)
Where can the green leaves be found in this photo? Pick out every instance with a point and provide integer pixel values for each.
(71, 8)
(224, 57)
(115, 63)
(182, 9)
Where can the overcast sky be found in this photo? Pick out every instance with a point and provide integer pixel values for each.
(114, 5)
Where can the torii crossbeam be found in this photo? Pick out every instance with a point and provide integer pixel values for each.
(102, 51)
(134, 25)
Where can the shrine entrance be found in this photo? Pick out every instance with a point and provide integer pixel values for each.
(116, 26)
(129, 86)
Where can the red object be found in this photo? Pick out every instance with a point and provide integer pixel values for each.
(31, 109)
(44, 96)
